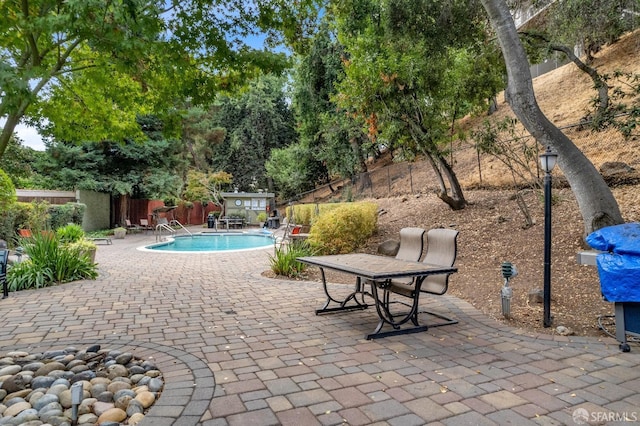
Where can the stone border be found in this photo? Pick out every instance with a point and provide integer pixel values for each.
(189, 384)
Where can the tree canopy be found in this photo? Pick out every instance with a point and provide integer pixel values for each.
(137, 56)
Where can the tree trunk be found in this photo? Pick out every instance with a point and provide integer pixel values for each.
(440, 167)
(595, 200)
(7, 132)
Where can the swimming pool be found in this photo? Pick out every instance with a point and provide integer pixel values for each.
(199, 243)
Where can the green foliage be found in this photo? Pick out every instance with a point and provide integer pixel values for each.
(204, 186)
(414, 66)
(284, 261)
(343, 229)
(331, 136)
(517, 151)
(34, 215)
(70, 233)
(8, 223)
(7, 191)
(291, 169)
(18, 163)
(145, 170)
(261, 217)
(49, 262)
(60, 215)
(306, 214)
(255, 122)
(165, 53)
(591, 23)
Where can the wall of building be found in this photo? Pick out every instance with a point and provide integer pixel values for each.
(97, 216)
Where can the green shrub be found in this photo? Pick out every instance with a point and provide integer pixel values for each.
(306, 214)
(343, 229)
(284, 262)
(70, 233)
(60, 215)
(7, 191)
(49, 262)
(8, 224)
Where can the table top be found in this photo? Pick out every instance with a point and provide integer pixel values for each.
(375, 267)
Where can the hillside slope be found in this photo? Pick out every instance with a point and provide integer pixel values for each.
(491, 227)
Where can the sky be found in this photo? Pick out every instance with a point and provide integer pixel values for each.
(28, 135)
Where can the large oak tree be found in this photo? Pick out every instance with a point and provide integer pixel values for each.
(595, 199)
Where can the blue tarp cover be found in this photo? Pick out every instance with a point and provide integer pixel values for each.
(619, 268)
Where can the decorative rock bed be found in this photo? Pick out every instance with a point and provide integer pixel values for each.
(117, 388)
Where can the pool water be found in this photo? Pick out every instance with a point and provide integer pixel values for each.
(213, 243)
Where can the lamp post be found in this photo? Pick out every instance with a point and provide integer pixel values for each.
(548, 162)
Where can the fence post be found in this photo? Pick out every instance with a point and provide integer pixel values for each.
(410, 178)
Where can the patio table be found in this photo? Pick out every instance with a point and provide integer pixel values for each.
(377, 271)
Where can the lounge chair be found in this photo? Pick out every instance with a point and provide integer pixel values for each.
(442, 250)
(144, 224)
(131, 227)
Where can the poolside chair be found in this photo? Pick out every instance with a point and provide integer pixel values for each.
(131, 227)
(442, 250)
(144, 224)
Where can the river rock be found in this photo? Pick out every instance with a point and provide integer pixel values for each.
(155, 384)
(112, 415)
(117, 386)
(98, 388)
(83, 376)
(105, 396)
(135, 419)
(17, 354)
(57, 389)
(134, 407)
(10, 370)
(48, 368)
(136, 369)
(76, 362)
(35, 396)
(79, 368)
(153, 373)
(3, 394)
(146, 399)
(86, 406)
(27, 415)
(88, 418)
(123, 402)
(61, 381)
(12, 401)
(117, 370)
(42, 382)
(20, 394)
(33, 366)
(100, 407)
(94, 348)
(14, 383)
(15, 409)
(124, 358)
(44, 400)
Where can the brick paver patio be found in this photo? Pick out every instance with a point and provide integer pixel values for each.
(236, 348)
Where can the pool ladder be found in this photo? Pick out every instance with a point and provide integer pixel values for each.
(169, 228)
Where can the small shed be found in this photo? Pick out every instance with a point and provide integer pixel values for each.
(248, 204)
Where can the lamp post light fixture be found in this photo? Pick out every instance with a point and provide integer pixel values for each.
(548, 162)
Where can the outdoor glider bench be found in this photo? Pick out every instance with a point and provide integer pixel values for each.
(393, 282)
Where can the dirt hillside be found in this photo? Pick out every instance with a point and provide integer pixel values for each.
(491, 227)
